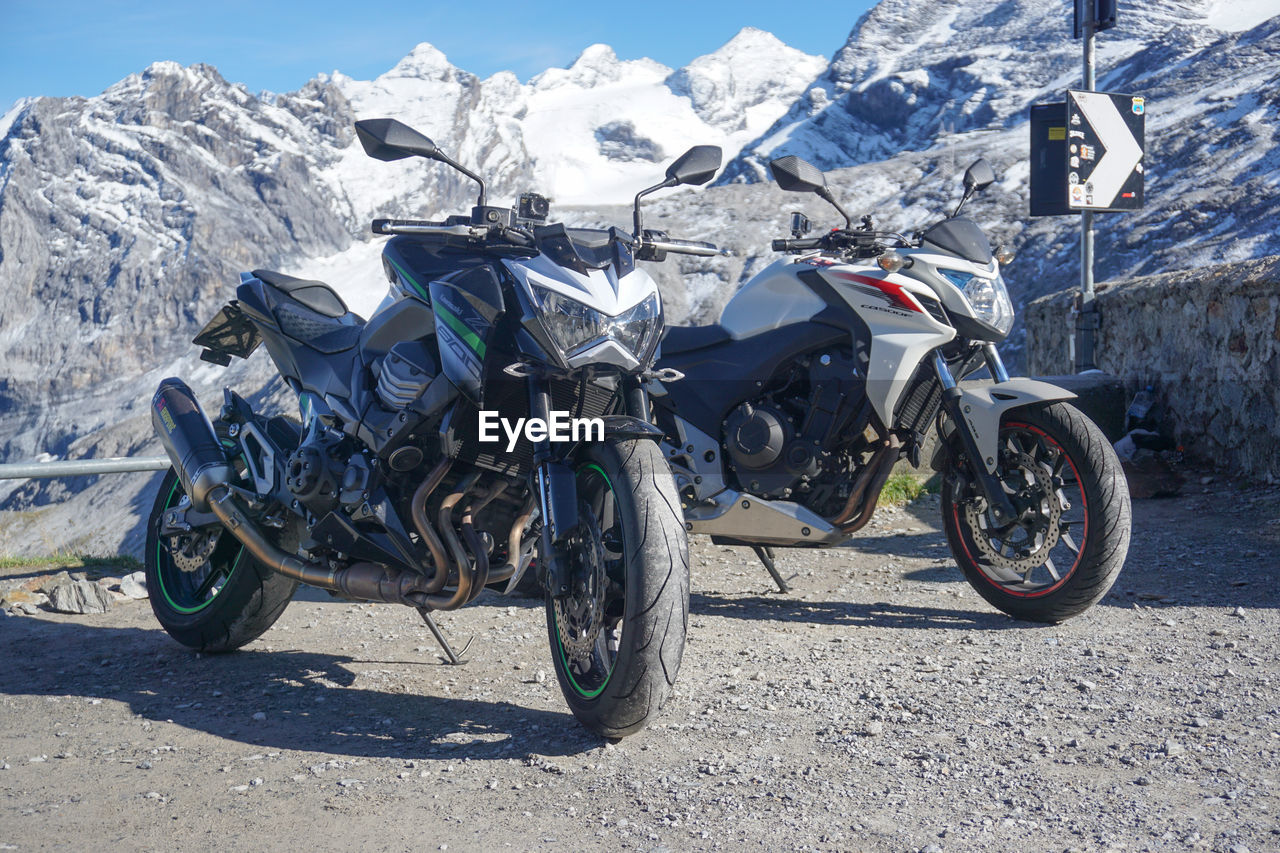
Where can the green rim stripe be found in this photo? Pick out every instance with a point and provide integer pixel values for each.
(168, 502)
(560, 646)
(472, 339)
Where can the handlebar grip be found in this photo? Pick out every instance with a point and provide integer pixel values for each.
(796, 245)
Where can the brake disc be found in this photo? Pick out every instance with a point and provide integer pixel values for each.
(1036, 530)
(580, 615)
(190, 551)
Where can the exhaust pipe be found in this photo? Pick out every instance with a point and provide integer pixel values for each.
(189, 442)
(198, 457)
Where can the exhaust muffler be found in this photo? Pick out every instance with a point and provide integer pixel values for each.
(189, 441)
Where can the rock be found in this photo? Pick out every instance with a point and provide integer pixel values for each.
(59, 579)
(25, 600)
(259, 716)
(72, 596)
(1238, 613)
(540, 676)
(135, 585)
(873, 728)
(1086, 685)
(1172, 747)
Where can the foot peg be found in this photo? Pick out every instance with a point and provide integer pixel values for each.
(455, 659)
(765, 553)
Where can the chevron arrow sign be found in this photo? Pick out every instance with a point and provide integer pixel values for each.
(1105, 138)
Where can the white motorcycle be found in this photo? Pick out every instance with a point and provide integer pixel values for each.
(838, 360)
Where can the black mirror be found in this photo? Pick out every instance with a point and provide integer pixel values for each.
(696, 166)
(978, 176)
(388, 139)
(797, 176)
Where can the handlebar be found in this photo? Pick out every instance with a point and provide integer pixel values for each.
(685, 247)
(654, 246)
(422, 226)
(857, 240)
(797, 245)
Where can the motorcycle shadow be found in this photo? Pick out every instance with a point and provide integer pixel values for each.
(313, 701)
(879, 614)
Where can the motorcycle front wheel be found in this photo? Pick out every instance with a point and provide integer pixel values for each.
(617, 639)
(1069, 542)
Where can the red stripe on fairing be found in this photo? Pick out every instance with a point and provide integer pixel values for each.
(898, 295)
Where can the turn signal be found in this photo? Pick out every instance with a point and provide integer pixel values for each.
(892, 261)
(1003, 254)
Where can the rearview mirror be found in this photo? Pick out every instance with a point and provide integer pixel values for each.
(696, 166)
(978, 176)
(388, 139)
(795, 175)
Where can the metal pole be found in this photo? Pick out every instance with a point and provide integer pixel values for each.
(80, 467)
(1087, 317)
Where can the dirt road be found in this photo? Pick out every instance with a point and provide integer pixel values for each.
(881, 706)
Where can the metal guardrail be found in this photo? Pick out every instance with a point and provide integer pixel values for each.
(81, 467)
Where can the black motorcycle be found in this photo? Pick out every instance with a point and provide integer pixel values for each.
(397, 486)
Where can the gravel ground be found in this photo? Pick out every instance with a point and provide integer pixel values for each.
(880, 706)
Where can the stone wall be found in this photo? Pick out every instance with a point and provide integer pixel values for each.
(1207, 340)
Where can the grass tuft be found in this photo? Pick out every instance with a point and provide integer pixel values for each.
(902, 488)
(120, 562)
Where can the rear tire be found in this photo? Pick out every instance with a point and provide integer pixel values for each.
(227, 601)
(628, 498)
(1067, 473)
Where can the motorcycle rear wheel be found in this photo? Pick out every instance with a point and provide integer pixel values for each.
(227, 600)
(1067, 548)
(616, 643)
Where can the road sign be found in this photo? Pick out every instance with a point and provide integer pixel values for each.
(1086, 154)
(1105, 137)
(1100, 13)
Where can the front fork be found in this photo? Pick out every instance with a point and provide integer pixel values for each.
(557, 495)
(1002, 509)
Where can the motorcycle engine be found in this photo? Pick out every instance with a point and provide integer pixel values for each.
(405, 373)
(796, 441)
(766, 450)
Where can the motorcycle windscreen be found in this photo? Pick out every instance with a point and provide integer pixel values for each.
(466, 307)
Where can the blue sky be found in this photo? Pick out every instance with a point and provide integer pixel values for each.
(77, 47)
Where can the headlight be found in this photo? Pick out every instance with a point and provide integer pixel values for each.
(573, 326)
(988, 297)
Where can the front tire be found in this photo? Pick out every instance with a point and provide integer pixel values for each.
(1067, 548)
(617, 641)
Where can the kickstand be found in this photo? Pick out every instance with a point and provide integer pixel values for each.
(454, 659)
(765, 553)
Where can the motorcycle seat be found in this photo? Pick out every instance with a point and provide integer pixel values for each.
(310, 312)
(316, 295)
(689, 338)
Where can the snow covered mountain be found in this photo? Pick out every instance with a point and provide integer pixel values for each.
(125, 217)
